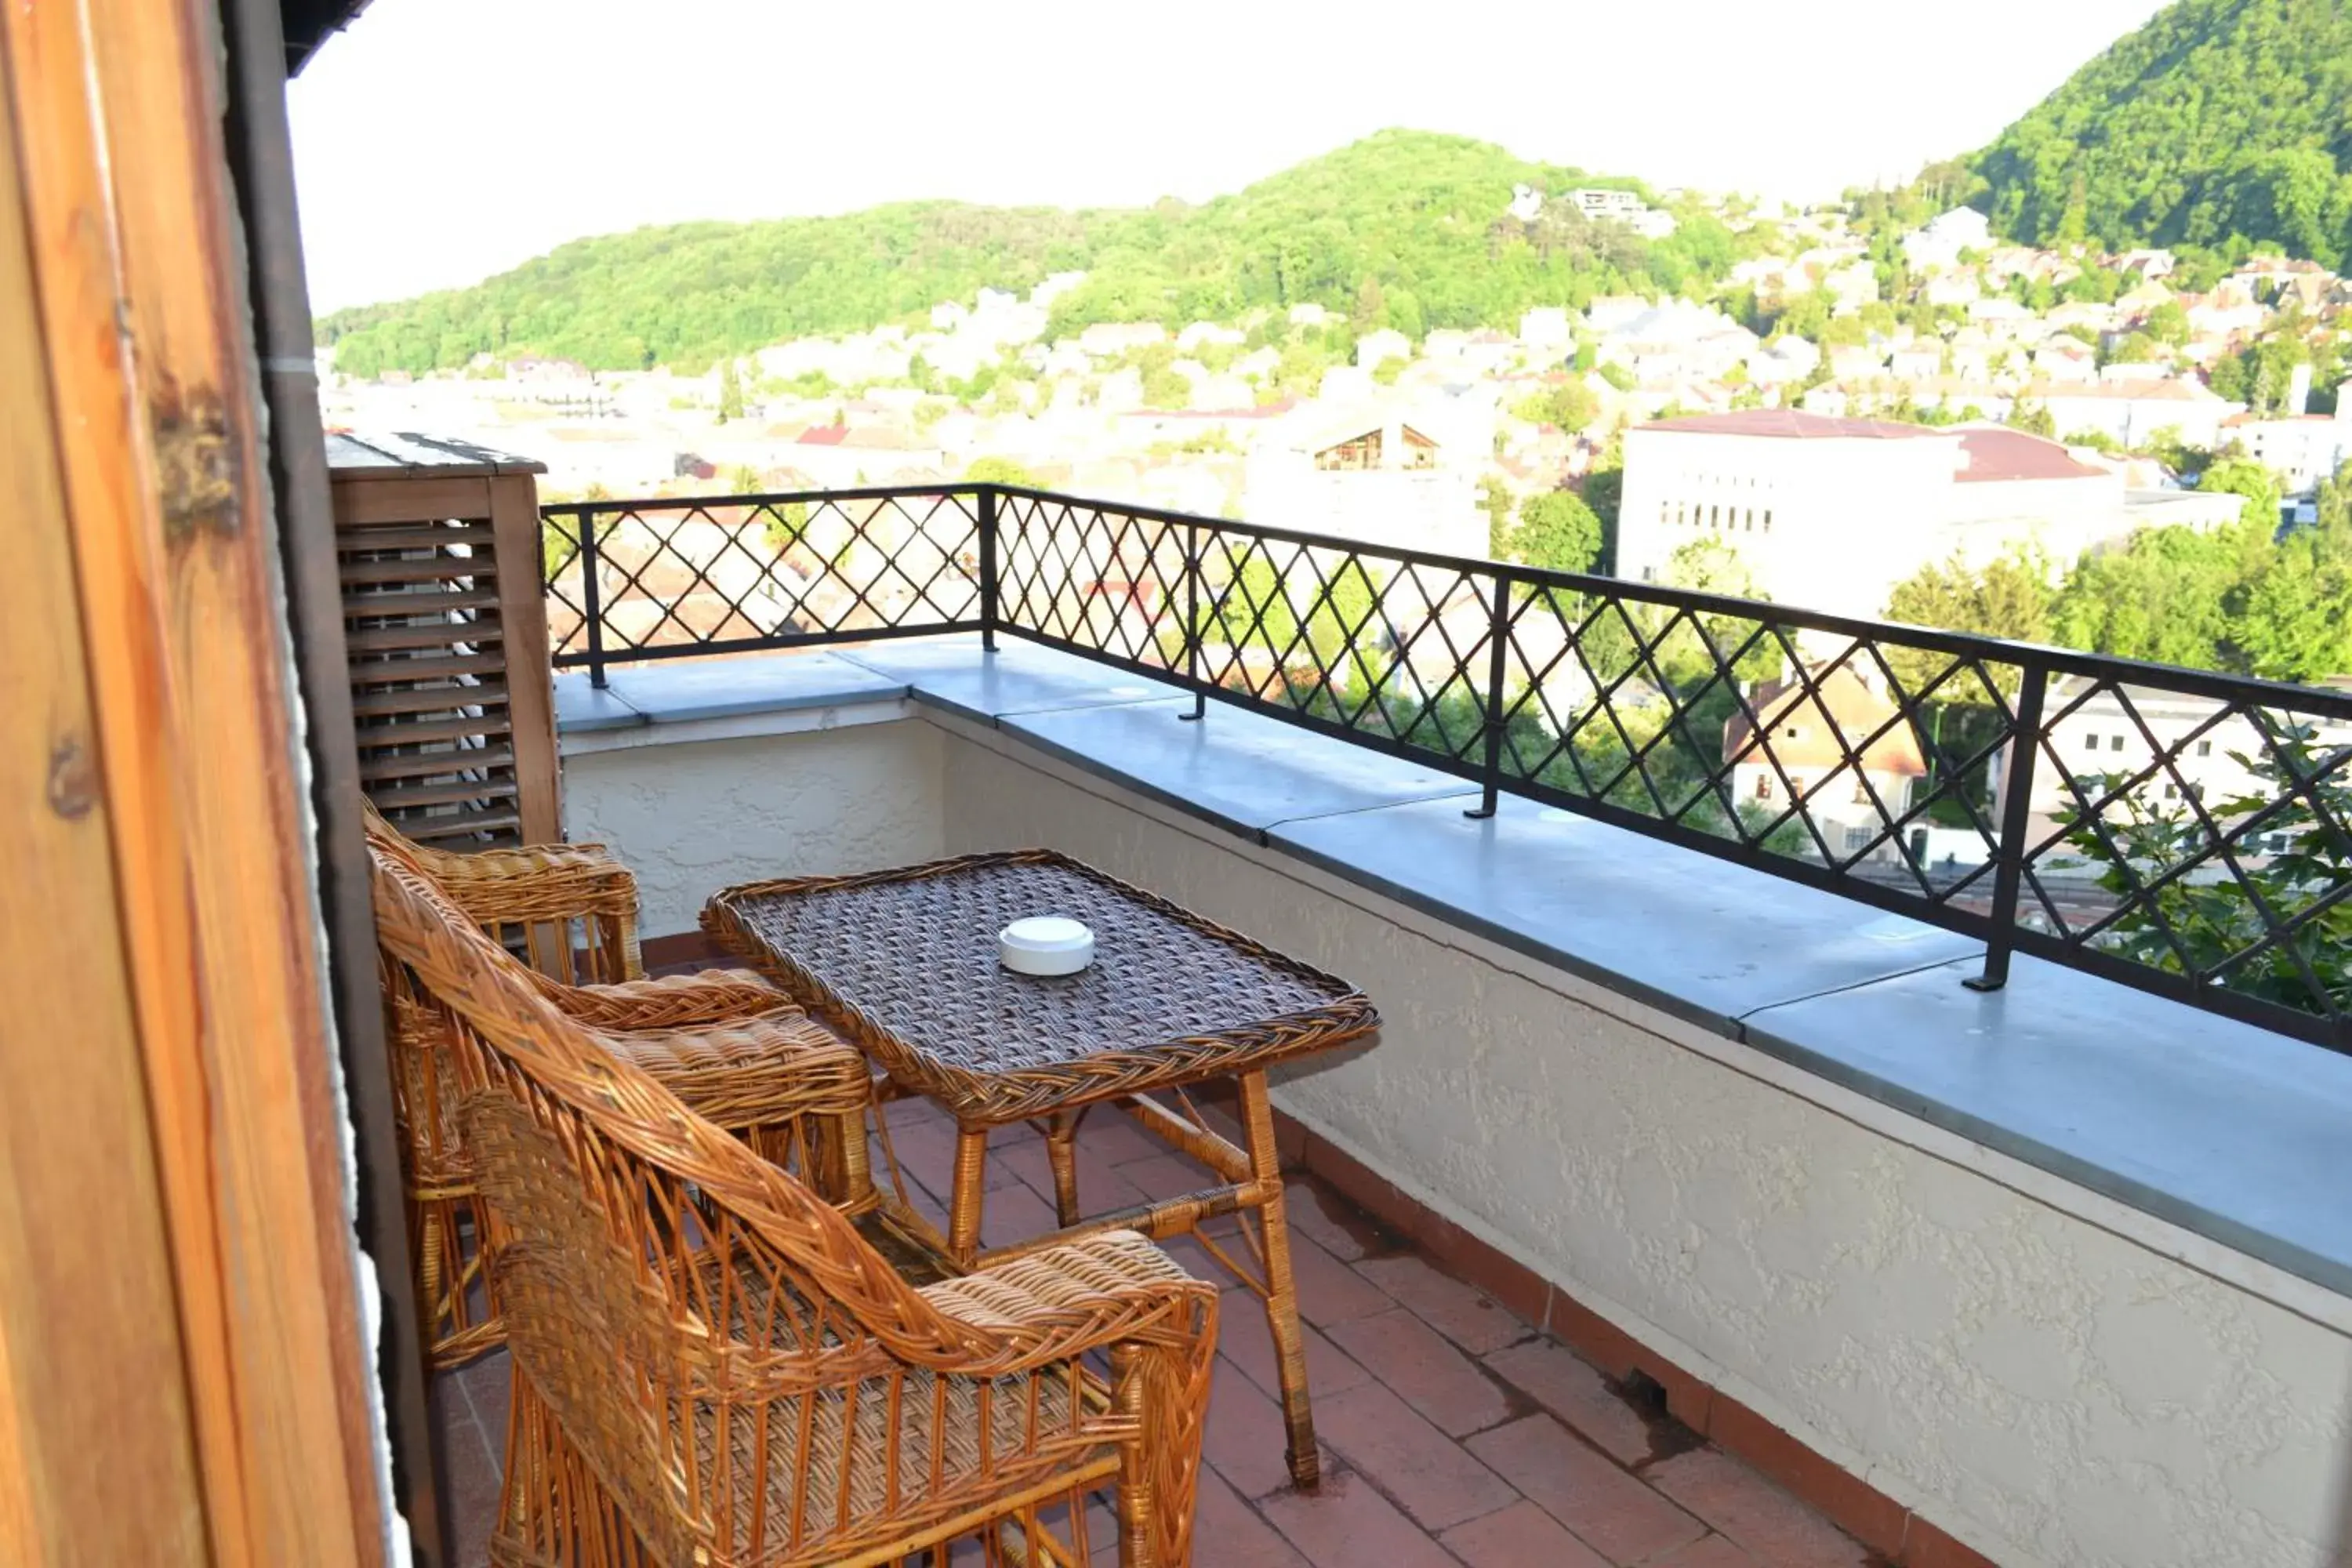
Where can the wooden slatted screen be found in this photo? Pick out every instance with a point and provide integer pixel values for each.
(446, 625)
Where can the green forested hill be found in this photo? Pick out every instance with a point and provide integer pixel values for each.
(1419, 218)
(2220, 122)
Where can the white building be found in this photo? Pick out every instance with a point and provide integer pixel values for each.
(1387, 475)
(1831, 513)
(2133, 411)
(1376, 347)
(2100, 735)
(1546, 327)
(1940, 243)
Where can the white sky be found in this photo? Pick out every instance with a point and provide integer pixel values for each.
(440, 140)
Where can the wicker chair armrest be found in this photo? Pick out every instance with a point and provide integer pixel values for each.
(536, 882)
(669, 1001)
(751, 1071)
(1107, 1288)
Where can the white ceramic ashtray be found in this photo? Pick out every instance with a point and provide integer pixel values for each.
(1046, 944)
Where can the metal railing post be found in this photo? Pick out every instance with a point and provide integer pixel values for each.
(1192, 621)
(2016, 823)
(590, 602)
(989, 608)
(1490, 772)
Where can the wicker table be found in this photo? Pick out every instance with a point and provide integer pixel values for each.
(904, 963)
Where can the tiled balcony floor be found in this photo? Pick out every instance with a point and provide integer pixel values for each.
(1453, 1434)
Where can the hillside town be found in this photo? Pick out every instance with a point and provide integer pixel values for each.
(1946, 394)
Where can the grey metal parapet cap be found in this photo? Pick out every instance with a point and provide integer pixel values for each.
(2223, 1129)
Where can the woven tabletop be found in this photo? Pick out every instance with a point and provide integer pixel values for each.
(905, 963)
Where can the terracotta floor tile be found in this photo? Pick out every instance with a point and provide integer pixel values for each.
(1014, 1214)
(1244, 1338)
(1519, 1536)
(1169, 1175)
(1101, 1188)
(1228, 1534)
(1603, 1505)
(1753, 1512)
(470, 1472)
(1340, 1228)
(1423, 1366)
(1429, 1475)
(1346, 1523)
(1573, 1389)
(1471, 1319)
(1329, 1292)
(1713, 1552)
(1246, 1439)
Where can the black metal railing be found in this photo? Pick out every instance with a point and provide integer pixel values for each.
(2185, 832)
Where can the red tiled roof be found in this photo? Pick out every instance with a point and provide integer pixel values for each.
(1994, 453)
(1792, 424)
(823, 434)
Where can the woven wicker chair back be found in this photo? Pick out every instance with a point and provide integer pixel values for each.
(669, 1294)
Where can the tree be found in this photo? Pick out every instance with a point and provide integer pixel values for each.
(2031, 417)
(1571, 406)
(1000, 471)
(2171, 594)
(1604, 492)
(2009, 597)
(730, 391)
(2297, 621)
(1557, 530)
(2245, 477)
(2167, 324)
(1494, 501)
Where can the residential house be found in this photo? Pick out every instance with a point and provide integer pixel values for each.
(1376, 347)
(1939, 242)
(2149, 264)
(1963, 286)
(2303, 449)
(2066, 360)
(1852, 286)
(1835, 740)
(1309, 315)
(2196, 756)
(1107, 340)
(1388, 473)
(1677, 340)
(2132, 413)
(1547, 329)
(1608, 312)
(1916, 362)
(1197, 333)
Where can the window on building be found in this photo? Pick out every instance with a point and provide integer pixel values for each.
(1768, 519)
(2172, 791)
(2204, 748)
(2114, 742)
(1794, 732)
(2090, 742)
(1862, 790)
(1763, 785)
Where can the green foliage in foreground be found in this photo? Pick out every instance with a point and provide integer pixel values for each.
(1420, 216)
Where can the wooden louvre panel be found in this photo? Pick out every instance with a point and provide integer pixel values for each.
(446, 622)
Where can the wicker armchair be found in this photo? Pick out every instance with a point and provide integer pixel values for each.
(571, 907)
(712, 1365)
(724, 1041)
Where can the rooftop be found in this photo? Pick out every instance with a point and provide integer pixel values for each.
(1793, 424)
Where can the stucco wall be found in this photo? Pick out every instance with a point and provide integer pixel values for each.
(690, 819)
(2041, 1387)
(2054, 1378)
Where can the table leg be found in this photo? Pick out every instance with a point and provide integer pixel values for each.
(971, 1186)
(1282, 1295)
(1062, 1154)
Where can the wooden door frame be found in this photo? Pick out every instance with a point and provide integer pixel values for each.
(174, 750)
